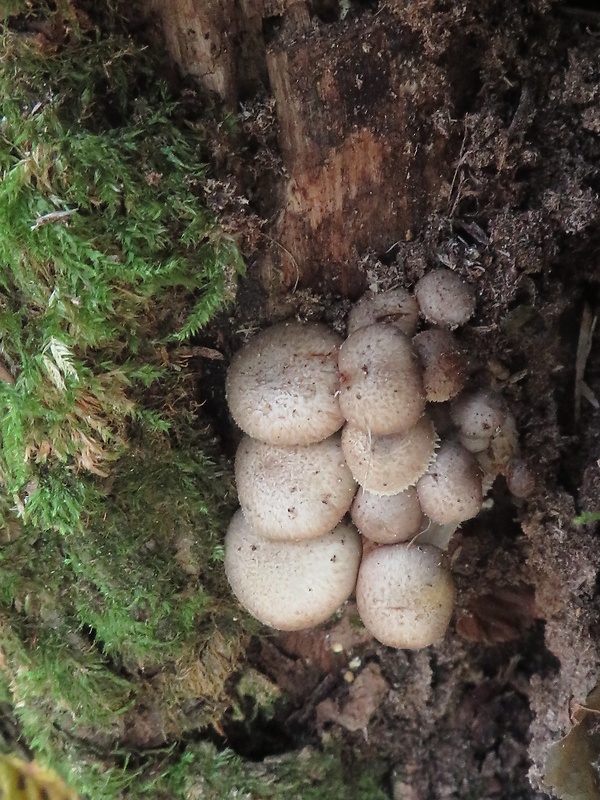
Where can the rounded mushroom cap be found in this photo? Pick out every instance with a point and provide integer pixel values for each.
(444, 364)
(290, 493)
(473, 444)
(387, 520)
(381, 389)
(519, 478)
(478, 415)
(505, 444)
(389, 464)
(451, 490)
(444, 299)
(396, 306)
(405, 594)
(282, 386)
(502, 448)
(291, 585)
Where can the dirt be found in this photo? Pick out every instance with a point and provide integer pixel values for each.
(517, 215)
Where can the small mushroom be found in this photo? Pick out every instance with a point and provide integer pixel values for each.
(282, 387)
(389, 464)
(395, 306)
(473, 444)
(505, 444)
(291, 585)
(503, 447)
(444, 299)
(405, 594)
(387, 519)
(451, 490)
(381, 389)
(290, 493)
(444, 364)
(519, 478)
(478, 415)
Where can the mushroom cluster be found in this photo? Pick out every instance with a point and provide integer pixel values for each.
(378, 429)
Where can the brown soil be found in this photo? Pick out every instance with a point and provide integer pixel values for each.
(492, 169)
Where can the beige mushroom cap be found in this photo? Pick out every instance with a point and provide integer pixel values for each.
(395, 306)
(387, 519)
(389, 464)
(444, 364)
(444, 299)
(282, 386)
(405, 595)
(291, 585)
(381, 389)
(290, 493)
(479, 415)
(451, 490)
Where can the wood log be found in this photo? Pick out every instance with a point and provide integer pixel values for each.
(365, 127)
(199, 35)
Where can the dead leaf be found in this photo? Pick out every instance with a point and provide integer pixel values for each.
(570, 766)
(364, 697)
(327, 647)
(500, 616)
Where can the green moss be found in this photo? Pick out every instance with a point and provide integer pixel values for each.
(117, 631)
(308, 775)
(202, 771)
(587, 518)
(106, 255)
(255, 695)
(163, 515)
(62, 680)
(113, 496)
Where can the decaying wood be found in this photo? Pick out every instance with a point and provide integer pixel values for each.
(363, 137)
(199, 35)
(361, 148)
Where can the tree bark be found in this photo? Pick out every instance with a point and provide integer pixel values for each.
(365, 126)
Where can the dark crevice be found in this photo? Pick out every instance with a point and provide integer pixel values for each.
(331, 11)
(271, 27)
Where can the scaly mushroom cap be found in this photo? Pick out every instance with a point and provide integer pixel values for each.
(444, 299)
(282, 386)
(387, 520)
(389, 464)
(444, 364)
(405, 594)
(291, 585)
(451, 490)
(290, 493)
(478, 415)
(381, 389)
(396, 306)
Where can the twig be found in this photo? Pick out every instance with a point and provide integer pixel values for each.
(584, 346)
(285, 250)
(5, 374)
(52, 216)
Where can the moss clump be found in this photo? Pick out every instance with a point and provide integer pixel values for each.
(113, 614)
(106, 256)
(206, 773)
